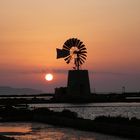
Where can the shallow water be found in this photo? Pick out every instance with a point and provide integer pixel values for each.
(40, 131)
(92, 110)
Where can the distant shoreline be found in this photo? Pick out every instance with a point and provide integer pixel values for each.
(51, 98)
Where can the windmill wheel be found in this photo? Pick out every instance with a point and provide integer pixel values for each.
(77, 51)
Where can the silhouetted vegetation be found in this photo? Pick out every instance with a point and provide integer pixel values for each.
(5, 138)
(118, 120)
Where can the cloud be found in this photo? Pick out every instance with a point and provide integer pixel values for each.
(108, 73)
(33, 71)
(59, 71)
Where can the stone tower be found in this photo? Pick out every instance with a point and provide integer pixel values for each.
(78, 83)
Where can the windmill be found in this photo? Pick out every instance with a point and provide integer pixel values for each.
(73, 49)
(78, 85)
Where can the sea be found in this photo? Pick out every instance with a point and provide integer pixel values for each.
(41, 131)
(92, 110)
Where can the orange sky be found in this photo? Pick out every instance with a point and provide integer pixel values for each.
(30, 31)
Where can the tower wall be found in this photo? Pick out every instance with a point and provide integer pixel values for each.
(78, 83)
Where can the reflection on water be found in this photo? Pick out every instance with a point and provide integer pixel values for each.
(7, 127)
(91, 110)
(39, 131)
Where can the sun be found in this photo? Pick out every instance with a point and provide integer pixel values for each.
(49, 77)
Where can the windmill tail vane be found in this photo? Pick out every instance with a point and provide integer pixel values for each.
(73, 48)
(61, 53)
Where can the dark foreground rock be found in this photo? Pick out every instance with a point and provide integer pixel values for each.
(5, 138)
(119, 126)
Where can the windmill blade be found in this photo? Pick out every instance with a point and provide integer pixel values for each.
(82, 57)
(80, 44)
(82, 49)
(66, 47)
(74, 41)
(68, 59)
(82, 60)
(67, 44)
(83, 52)
(77, 42)
(71, 43)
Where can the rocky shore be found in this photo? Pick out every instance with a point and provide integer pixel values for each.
(118, 126)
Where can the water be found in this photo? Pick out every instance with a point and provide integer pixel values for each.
(39, 131)
(92, 110)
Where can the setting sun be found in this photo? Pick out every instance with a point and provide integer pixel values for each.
(49, 77)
